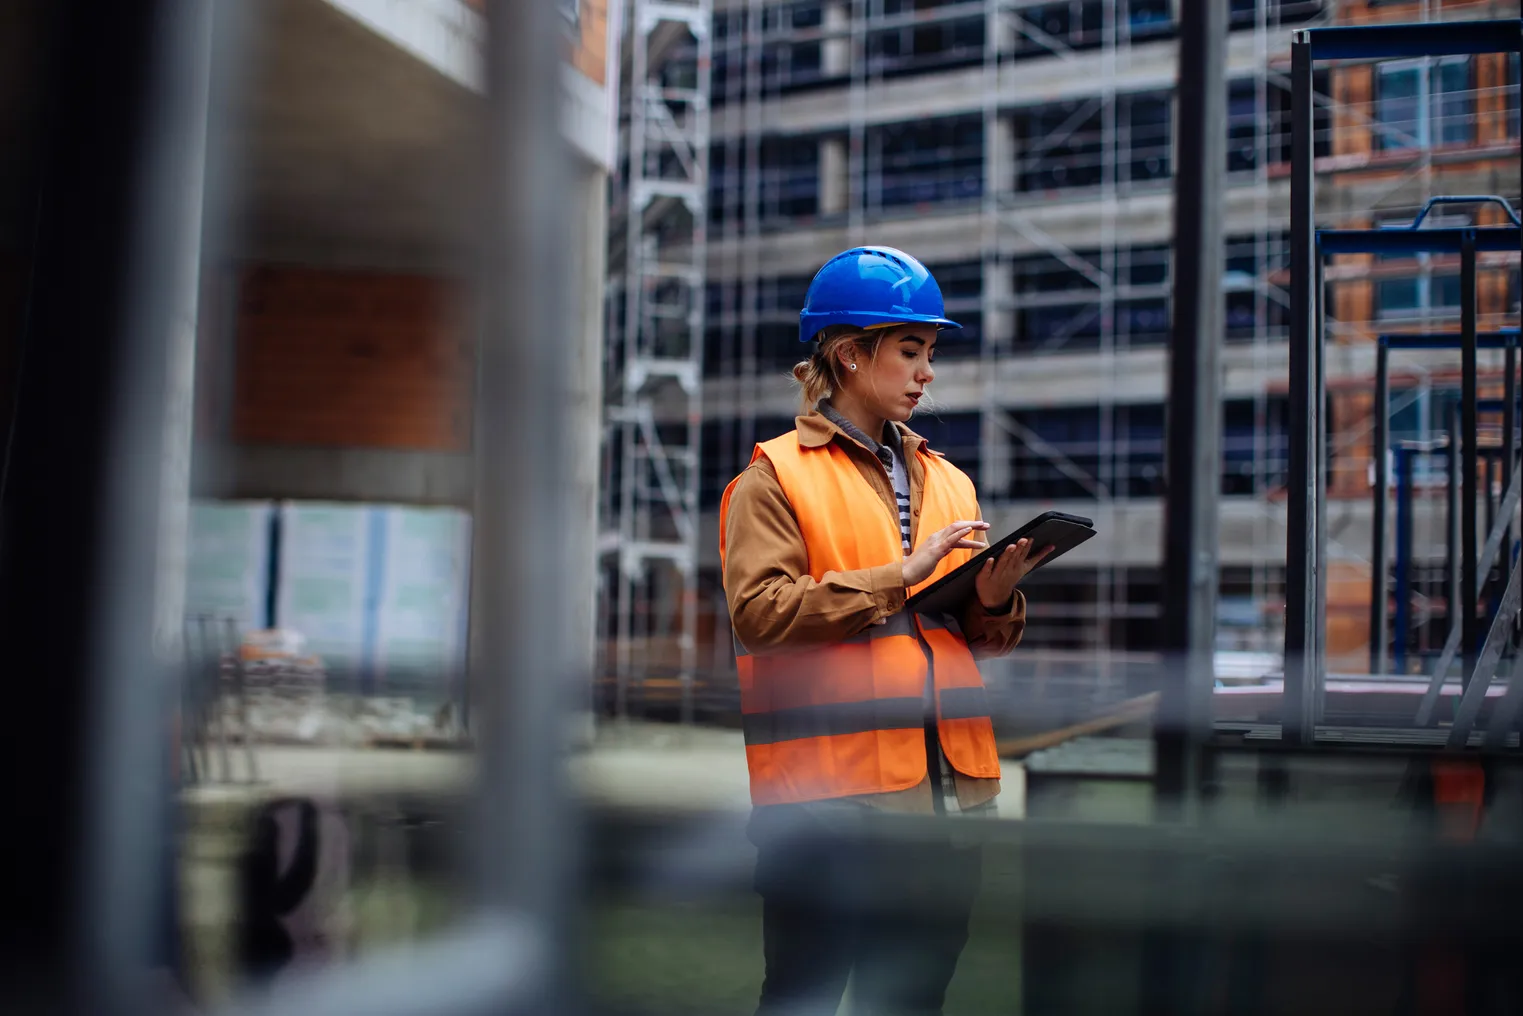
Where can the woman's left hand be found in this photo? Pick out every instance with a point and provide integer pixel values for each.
(998, 578)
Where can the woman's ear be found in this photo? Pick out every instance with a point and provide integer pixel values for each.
(848, 353)
(845, 354)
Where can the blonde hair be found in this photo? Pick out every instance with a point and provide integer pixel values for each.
(819, 376)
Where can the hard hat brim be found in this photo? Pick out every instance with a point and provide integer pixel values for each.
(811, 325)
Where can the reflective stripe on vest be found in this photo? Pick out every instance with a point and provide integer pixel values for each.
(849, 718)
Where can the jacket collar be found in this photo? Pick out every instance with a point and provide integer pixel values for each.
(815, 431)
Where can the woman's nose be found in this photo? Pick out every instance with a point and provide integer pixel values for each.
(926, 374)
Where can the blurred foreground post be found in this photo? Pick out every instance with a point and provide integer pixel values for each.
(1189, 589)
(523, 549)
(1173, 965)
(102, 404)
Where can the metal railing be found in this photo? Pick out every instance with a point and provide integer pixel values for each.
(1306, 523)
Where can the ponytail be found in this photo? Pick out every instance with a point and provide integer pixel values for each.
(819, 376)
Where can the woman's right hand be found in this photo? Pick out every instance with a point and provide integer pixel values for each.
(920, 564)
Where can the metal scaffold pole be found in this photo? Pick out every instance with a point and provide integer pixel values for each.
(656, 399)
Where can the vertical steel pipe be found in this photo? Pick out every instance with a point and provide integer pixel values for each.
(1379, 594)
(1193, 463)
(1452, 570)
(1297, 720)
(1469, 466)
(1403, 625)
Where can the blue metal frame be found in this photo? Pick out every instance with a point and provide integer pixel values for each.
(1467, 339)
(1465, 199)
(1405, 240)
(1502, 338)
(1375, 42)
(1404, 471)
(1309, 248)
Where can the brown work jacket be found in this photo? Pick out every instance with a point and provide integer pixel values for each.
(776, 604)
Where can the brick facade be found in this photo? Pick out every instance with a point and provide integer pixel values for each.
(351, 359)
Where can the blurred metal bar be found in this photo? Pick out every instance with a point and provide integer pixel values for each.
(1509, 447)
(1488, 499)
(1452, 587)
(113, 286)
(1449, 240)
(1188, 593)
(1470, 628)
(1502, 338)
(1403, 559)
(1489, 474)
(1509, 427)
(1486, 663)
(1379, 594)
(1508, 508)
(1504, 714)
(520, 661)
(1316, 672)
(1297, 721)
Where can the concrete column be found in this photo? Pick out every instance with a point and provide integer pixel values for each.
(999, 314)
(999, 326)
(1001, 148)
(1001, 29)
(994, 466)
(835, 60)
(584, 349)
(835, 190)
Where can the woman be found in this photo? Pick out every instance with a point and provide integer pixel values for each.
(852, 706)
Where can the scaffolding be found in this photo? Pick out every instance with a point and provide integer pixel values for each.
(1025, 148)
(650, 512)
(1115, 134)
(1475, 601)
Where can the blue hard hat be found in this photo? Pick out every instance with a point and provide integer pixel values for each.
(868, 286)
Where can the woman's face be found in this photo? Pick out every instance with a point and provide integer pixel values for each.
(892, 382)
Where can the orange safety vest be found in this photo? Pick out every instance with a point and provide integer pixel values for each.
(849, 718)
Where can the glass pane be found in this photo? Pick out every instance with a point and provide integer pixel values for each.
(1243, 117)
(1148, 121)
(1408, 414)
(1149, 17)
(1512, 95)
(1445, 292)
(1453, 102)
(1398, 106)
(1398, 297)
(1143, 322)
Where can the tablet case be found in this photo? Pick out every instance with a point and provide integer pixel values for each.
(1059, 530)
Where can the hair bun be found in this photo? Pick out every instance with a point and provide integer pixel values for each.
(801, 371)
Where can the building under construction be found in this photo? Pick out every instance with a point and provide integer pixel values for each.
(302, 335)
(1025, 151)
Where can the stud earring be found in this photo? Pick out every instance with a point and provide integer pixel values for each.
(852, 366)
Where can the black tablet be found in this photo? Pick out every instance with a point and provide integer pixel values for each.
(1058, 530)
